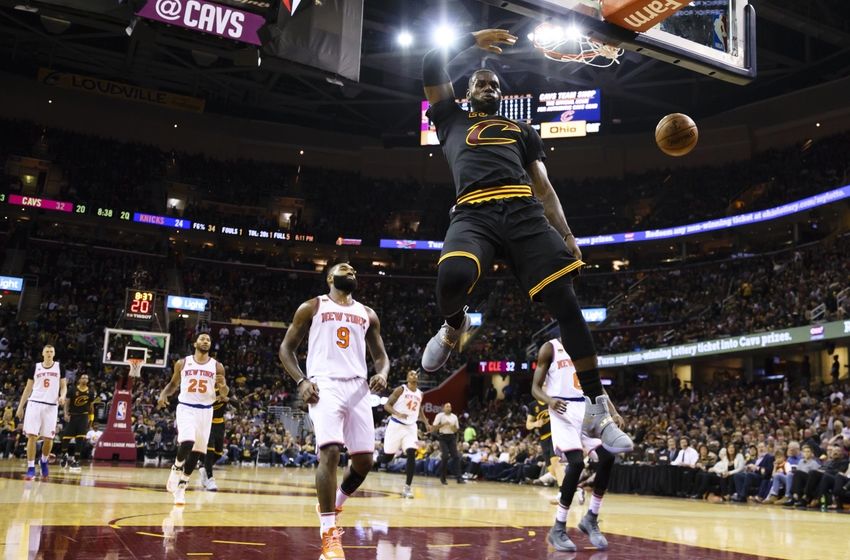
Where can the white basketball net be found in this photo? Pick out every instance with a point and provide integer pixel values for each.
(135, 367)
(568, 44)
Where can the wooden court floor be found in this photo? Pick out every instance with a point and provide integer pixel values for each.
(109, 512)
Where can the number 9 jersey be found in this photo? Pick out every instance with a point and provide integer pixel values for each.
(197, 382)
(337, 344)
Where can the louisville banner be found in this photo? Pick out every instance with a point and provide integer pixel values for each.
(120, 90)
(324, 35)
(207, 17)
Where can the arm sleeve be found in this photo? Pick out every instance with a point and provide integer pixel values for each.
(435, 61)
(61, 371)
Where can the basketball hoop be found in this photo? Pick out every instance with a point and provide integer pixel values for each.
(570, 45)
(135, 366)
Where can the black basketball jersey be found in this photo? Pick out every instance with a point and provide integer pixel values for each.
(485, 150)
(79, 402)
(540, 411)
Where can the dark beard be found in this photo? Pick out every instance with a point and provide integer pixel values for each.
(345, 284)
(482, 106)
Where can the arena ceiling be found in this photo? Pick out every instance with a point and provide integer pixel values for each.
(799, 44)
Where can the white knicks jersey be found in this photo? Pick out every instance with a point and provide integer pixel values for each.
(197, 382)
(562, 380)
(337, 344)
(408, 405)
(45, 384)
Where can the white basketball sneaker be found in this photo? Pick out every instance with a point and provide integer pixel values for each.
(173, 479)
(211, 486)
(180, 493)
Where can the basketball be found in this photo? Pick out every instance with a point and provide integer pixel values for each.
(676, 134)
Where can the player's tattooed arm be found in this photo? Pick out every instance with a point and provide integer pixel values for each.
(172, 386)
(221, 386)
(544, 191)
(375, 344)
(544, 361)
(307, 390)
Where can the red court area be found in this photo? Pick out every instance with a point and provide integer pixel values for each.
(170, 540)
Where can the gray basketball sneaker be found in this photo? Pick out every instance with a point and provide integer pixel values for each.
(559, 539)
(440, 347)
(589, 525)
(599, 424)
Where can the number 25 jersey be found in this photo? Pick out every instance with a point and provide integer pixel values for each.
(197, 382)
(337, 343)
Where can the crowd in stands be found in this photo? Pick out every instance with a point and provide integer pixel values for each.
(90, 167)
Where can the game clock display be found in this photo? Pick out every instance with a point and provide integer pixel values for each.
(140, 305)
(502, 366)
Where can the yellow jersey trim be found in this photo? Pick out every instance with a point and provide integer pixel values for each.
(495, 193)
(554, 276)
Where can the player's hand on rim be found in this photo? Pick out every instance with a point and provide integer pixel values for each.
(378, 383)
(489, 39)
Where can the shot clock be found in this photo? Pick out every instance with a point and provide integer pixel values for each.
(139, 305)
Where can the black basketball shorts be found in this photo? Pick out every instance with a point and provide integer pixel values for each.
(76, 427)
(515, 229)
(216, 441)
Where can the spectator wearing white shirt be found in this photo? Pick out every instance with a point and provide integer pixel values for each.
(686, 459)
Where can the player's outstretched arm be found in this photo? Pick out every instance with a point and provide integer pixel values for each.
(424, 419)
(24, 398)
(435, 78)
(172, 386)
(378, 352)
(301, 321)
(544, 360)
(544, 192)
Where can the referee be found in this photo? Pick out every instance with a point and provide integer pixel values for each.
(447, 426)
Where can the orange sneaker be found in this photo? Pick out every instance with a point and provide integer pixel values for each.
(332, 545)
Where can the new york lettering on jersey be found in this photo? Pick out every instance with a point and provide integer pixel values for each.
(562, 379)
(408, 405)
(337, 343)
(45, 387)
(197, 382)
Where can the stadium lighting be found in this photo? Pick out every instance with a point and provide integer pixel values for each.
(404, 39)
(572, 33)
(443, 35)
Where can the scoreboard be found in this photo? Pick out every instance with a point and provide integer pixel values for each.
(555, 114)
(139, 305)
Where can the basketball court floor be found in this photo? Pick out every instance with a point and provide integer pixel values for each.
(109, 512)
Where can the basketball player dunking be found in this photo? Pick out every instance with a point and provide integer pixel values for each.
(42, 394)
(200, 378)
(335, 387)
(566, 403)
(405, 409)
(78, 409)
(507, 206)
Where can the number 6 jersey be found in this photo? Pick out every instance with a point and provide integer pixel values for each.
(197, 382)
(337, 343)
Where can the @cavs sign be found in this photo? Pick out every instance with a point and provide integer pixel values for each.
(198, 15)
(568, 129)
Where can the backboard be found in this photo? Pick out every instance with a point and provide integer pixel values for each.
(119, 345)
(713, 37)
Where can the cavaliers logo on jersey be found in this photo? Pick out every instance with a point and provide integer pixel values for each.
(492, 132)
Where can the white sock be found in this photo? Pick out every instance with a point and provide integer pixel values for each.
(340, 497)
(31, 464)
(184, 477)
(179, 464)
(327, 521)
(595, 504)
(44, 459)
(561, 514)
